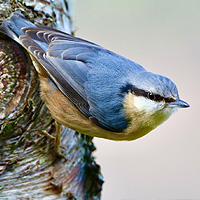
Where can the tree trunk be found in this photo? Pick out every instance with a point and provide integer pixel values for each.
(29, 168)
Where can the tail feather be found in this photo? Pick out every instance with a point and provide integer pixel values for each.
(12, 26)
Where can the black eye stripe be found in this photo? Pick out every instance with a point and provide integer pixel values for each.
(147, 94)
(169, 100)
(159, 98)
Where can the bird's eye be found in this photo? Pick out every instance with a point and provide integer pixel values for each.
(151, 96)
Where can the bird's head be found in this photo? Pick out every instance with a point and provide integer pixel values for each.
(150, 100)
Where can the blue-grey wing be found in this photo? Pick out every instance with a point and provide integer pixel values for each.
(68, 75)
(67, 63)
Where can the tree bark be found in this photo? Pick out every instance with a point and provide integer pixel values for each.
(29, 168)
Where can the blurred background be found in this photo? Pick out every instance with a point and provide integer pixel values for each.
(164, 37)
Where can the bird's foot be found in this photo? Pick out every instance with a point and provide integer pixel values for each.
(56, 141)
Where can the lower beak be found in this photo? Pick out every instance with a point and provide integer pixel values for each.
(178, 103)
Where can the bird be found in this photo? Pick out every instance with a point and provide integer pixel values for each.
(91, 89)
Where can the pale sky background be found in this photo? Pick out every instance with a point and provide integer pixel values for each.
(164, 37)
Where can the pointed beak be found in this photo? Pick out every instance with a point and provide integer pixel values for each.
(178, 103)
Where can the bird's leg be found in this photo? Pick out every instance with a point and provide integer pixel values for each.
(56, 139)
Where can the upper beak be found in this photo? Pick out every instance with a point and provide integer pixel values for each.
(178, 103)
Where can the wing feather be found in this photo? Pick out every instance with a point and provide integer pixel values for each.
(66, 61)
(64, 65)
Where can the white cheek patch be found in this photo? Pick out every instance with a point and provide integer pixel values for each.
(153, 113)
(146, 105)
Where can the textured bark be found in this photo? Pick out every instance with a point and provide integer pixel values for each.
(29, 168)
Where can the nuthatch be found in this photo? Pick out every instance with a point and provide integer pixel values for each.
(91, 89)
